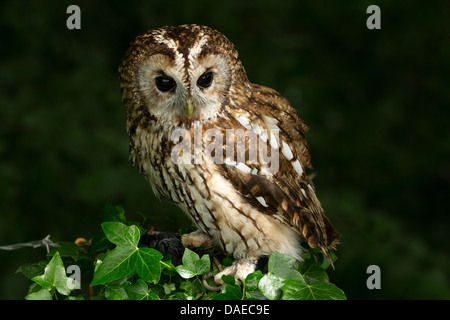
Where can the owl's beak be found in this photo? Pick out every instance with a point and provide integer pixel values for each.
(189, 109)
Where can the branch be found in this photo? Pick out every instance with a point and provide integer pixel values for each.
(46, 242)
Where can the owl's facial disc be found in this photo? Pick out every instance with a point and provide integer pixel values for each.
(210, 80)
(173, 92)
(162, 88)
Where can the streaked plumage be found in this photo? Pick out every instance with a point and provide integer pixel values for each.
(189, 78)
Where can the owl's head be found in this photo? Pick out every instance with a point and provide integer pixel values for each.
(179, 74)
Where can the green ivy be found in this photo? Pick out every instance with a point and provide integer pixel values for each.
(115, 266)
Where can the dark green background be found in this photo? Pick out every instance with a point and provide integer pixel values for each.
(377, 103)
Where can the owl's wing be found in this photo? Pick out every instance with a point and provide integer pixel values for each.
(282, 190)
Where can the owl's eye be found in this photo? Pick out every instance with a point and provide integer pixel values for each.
(165, 84)
(205, 80)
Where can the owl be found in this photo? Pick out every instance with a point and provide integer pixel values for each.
(231, 154)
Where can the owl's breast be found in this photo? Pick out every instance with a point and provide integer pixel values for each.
(149, 153)
(207, 197)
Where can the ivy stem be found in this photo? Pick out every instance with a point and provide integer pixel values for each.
(165, 264)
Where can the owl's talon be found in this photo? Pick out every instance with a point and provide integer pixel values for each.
(240, 269)
(196, 239)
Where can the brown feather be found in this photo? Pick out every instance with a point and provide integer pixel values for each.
(283, 193)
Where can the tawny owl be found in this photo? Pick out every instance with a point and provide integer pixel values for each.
(231, 154)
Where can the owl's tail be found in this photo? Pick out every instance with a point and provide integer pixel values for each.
(330, 241)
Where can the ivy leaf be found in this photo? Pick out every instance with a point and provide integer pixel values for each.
(229, 292)
(127, 257)
(168, 288)
(137, 290)
(228, 279)
(118, 263)
(185, 272)
(315, 273)
(285, 274)
(55, 277)
(251, 286)
(193, 265)
(292, 290)
(31, 270)
(42, 294)
(140, 291)
(254, 295)
(270, 286)
(178, 296)
(147, 264)
(252, 280)
(227, 261)
(203, 265)
(280, 268)
(193, 290)
(278, 261)
(120, 234)
(115, 292)
(297, 290)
